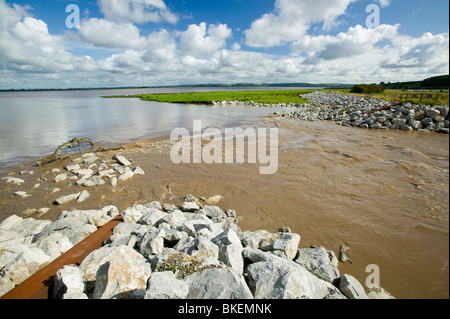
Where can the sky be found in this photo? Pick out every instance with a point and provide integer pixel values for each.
(134, 43)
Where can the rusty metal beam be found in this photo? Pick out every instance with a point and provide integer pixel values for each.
(39, 286)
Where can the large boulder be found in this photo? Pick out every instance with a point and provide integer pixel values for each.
(165, 285)
(68, 282)
(318, 262)
(352, 288)
(217, 284)
(284, 279)
(124, 272)
(230, 250)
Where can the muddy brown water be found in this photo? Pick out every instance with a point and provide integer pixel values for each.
(385, 194)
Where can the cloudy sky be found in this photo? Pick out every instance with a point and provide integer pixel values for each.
(175, 42)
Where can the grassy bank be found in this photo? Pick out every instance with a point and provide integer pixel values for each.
(290, 96)
(415, 97)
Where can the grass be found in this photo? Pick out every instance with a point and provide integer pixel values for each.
(413, 97)
(268, 97)
(289, 96)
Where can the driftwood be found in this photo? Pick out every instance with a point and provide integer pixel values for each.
(58, 153)
(384, 108)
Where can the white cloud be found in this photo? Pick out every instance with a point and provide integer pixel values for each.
(199, 40)
(137, 11)
(109, 34)
(291, 20)
(385, 3)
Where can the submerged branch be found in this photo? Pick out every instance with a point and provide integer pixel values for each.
(58, 153)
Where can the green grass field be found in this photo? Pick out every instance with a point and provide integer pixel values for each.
(268, 97)
(289, 96)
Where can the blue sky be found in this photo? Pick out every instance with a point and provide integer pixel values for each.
(166, 42)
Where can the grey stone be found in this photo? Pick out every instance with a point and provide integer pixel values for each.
(66, 199)
(217, 284)
(317, 261)
(122, 160)
(165, 285)
(73, 229)
(284, 279)
(352, 288)
(68, 280)
(230, 250)
(124, 272)
(281, 244)
(151, 217)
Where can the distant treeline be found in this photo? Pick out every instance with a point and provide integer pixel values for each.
(434, 83)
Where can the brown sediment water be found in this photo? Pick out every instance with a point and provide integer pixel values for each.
(384, 194)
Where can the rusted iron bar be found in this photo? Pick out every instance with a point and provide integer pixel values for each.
(384, 108)
(39, 286)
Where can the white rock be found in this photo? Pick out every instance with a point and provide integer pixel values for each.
(61, 177)
(284, 279)
(138, 171)
(217, 284)
(83, 196)
(165, 285)
(72, 168)
(126, 176)
(113, 182)
(190, 207)
(66, 199)
(22, 194)
(122, 160)
(121, 272)
(13, 180)
(230, 250)
(68, 280)
(352, 288)
(11, 221)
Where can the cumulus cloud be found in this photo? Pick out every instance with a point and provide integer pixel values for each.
(137, 11)
(291, 20)
(109, 34)
(198, 39)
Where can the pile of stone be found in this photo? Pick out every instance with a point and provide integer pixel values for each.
(168, 252)
(251, 103)
(354, 111)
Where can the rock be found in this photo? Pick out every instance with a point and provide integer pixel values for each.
(217, 284)
(68, 280)
(343, 251)
(318, 262)
(214, 200)
(11, 221)
(138, 171)
(164, 285)
(281, 244)
(152, 243)
(126, 176)
(25, 264)
(379, 293)
(61, 177)
(73, 229)
(93, 181)
(190, 207)
(66, 199)
(133, 214)
(13, 180)
(124, 272)
(113, 182)
(83, 196)
(151, 217)
(55, 245)
(98, 218)
(284, 279)
(72, 168)
(230, 250)
(352, 288)
(122, 160)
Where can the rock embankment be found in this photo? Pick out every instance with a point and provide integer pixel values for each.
(168, 252)
(356, 111)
